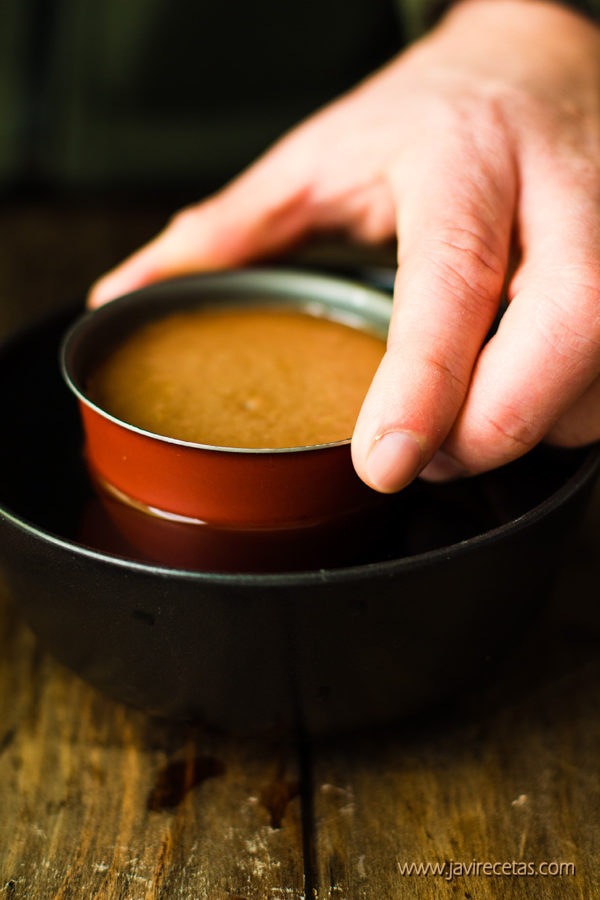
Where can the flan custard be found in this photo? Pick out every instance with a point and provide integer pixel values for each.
(240, 377)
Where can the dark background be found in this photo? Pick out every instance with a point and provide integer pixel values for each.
(149, 96)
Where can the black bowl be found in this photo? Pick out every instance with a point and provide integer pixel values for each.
(445, 578)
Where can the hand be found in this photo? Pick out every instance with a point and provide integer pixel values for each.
(485, 132)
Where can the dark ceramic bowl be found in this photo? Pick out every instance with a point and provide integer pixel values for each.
(438, 583)
(222, 486)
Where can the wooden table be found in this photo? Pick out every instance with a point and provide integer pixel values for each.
(97, 801)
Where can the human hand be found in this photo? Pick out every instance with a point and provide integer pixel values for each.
(486, 131)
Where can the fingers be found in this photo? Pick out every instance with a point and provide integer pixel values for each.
(261, 212)
(538, 377)
(455, 210)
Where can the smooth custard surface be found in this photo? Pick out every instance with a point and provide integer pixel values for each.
(240, 377)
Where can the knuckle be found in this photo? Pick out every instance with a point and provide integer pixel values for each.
(474, 256)
(374, 228)
(443, 368)
(464, 268)
(447, 370)
(506, 427)
(185, 219)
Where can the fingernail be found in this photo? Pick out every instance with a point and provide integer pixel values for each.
(394, 460)
(442, 467)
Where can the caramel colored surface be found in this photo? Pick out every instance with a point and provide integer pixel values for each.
(240, 377)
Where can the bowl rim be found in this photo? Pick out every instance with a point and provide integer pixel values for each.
(583, 474)
(235, 278)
